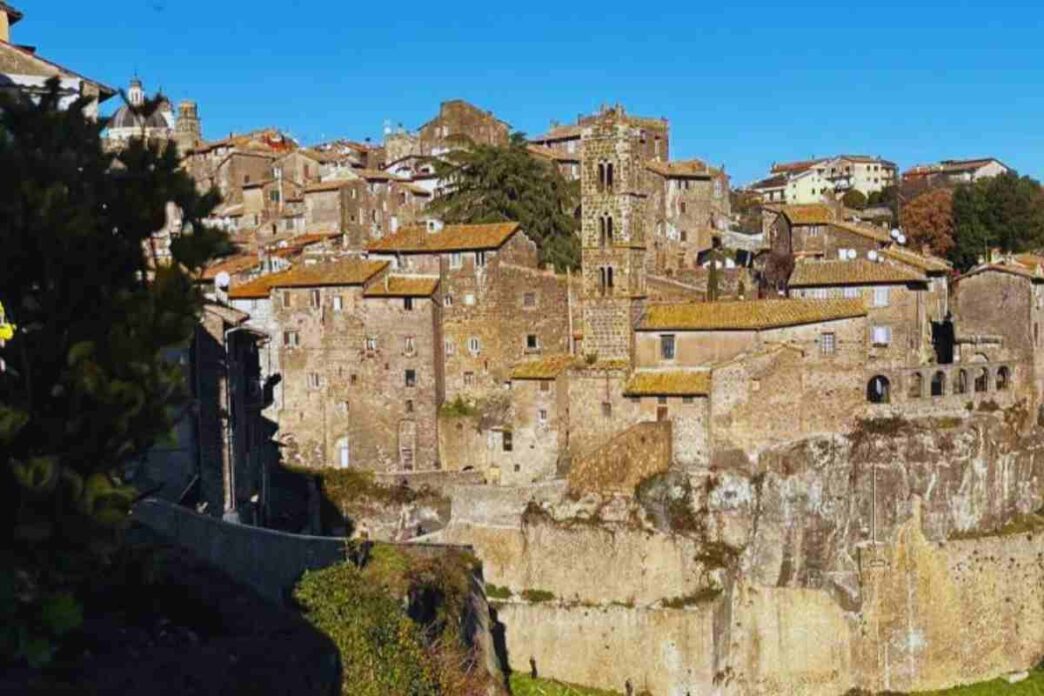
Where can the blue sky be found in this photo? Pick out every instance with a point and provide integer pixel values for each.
(743, 83)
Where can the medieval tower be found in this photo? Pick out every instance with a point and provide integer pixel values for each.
(612, 234)
(187, 131)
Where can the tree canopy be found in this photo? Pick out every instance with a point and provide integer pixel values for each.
(85, 389)
(1005, 212)
(928, 221)
(854, 198)
(489, 183)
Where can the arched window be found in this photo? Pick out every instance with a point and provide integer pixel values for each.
(609, 229)
(960, 382)
(982, 380)
(609, 176)
(916, 388)
(602, 280)
(601, 231)
(1003, 378)
(878, 390)
(939, 383)
(609, 279)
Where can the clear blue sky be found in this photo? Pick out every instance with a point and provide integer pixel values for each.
(743, 83)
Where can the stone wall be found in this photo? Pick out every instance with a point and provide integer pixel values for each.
(623, 462)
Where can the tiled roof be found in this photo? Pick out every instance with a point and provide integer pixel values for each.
(810, 214)
(331, 185)
(682, 168)
(293, 245)
(748, 315)
(417, 240)
(1014, 268)
(343, 272)
(798, 166)
(403, 286)
(928, 264)
(777, 181)
(256, 289)
(559, 133)
(878, 234)
(375, 175)
(415, 189)
(856, 272)
(547, 367)
(230, 265)
(669, 383)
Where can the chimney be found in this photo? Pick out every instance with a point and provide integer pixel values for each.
(9, 16)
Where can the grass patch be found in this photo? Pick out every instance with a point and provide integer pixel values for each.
(1031, 686)
(537, 596)
(496, 592)
(1020, 524)
(525, 685)
(458, 408)
(701, 596)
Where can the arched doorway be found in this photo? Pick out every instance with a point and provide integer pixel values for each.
(1003, 378)
(879, 390)
(960, 382)
(982, 380)
(916, 388)
(344, 455)
(939, 383)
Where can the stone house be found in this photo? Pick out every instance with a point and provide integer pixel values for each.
(365, 206)
(498, 305)
(459, 124)
(358, 358)
(24, 71)
(953, 172)
(898, 299)
(653, 134)
(688, 205)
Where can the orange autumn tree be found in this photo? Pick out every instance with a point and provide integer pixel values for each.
(928, 221)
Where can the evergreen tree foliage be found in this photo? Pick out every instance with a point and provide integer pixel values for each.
(488, 183)
(1004, 212)
(85, 389)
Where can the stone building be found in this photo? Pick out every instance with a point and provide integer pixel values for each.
(458, 125)
(688, 206)
(238, 160)
(809, 181)
(126, 123)
(952, 172)
(364, 206)
(24, 71)
(358, 347)
(498, 305)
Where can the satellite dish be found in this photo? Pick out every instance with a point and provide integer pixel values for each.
(901, 239)
(872, 255)
(222, 280)
(851, 254)
(895, 233)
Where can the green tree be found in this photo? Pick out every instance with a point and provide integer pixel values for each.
(855, 199)
(84, 387)
(488, 183)
(1004, 212)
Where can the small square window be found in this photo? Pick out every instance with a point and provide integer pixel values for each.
(371, 344)
(828, 343)
(667, 346)
(409, 346)
(508, 441)
(661, 399)
(469, 299)
(607, 409)
(529, 300)
(545, 385)
(469, 379)
(449, 347)
(474, 345)
(291, 339)
(542, 416)
(407, 303)
(411, 378)
(687, 400)
(352, 379)
(456, 259)
(338, 303)
(531, 342)
(409, 405)
(448, 300)
(313, 380)
(480, 259)
(662, 413)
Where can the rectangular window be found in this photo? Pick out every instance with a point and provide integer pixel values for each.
(409, 347)
(371, 344)
(469, 379)
(407, 303)
(542, 416)
(687, 399)
(314, 299)
(409, 405)
(667, 346)
(661, 413)
(456, 259)
(851, 293)
(531, 342)
(507, 441)
(352, 379)
(286, 299)
(338, 303)
(448, 347)
(474, 345)
(545, 385)
(469, 299)
(607, 409)
(313, 380)
(828, 343)
(882, 335)
(448, 300)
(411, 378)
(480, 259)
(529, 300)
(881, 297)
(291, 339)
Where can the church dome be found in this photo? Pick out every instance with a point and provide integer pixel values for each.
(126, 119)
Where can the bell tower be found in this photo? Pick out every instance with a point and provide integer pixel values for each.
(612, 234)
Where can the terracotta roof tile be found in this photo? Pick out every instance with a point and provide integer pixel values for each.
(559, 133)
(403, 286)
(856, 272)
(330, 185)
(548, 367)
(748, 315)
(231, 265)
(928, 264)
(682, 168)
(669, 383)
(810, 214)
(878, 234)
(256, 289)
(553, 154)
(417, 240)
(344, 272)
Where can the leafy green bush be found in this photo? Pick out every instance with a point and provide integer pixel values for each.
(86, 389)
(525, 685)
(537, 596)
(397, 622)
(700, 596)
(459, 408)
(495, 592)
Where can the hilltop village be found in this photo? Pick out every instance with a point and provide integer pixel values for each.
(756, 441)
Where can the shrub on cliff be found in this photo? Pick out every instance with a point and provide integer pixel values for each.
(398, 623)
(84, 388)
